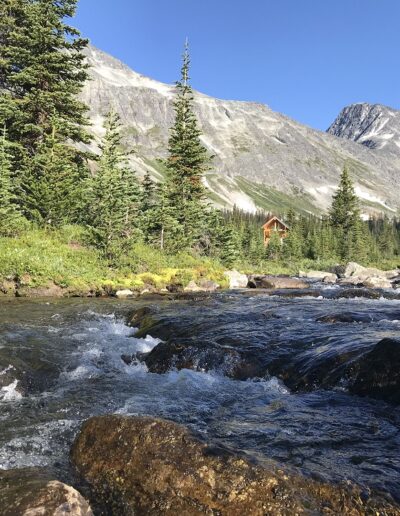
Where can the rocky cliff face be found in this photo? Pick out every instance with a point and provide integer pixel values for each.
(262, 159)
(373, 125)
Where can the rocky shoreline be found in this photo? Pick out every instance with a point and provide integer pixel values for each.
(351, 275)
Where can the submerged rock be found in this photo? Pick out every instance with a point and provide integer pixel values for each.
(352, 293)
(144, 465)
(21, 377)
(349, 317)
(202, 357)
(379, 372)
(33, 492)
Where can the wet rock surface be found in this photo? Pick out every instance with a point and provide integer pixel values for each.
(26, 374)
(34, 492)
(185, 476)
(302, 364)
(378, 373)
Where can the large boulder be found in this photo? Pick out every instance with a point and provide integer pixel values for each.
(236, 279)
(277, 282)
(377, 282)
(356, 274)
(378, 372)
(143, 465)
(49, 290)
(33, 492)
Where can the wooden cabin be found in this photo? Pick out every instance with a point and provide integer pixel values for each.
(274, 224)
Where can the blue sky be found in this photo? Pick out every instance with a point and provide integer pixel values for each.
(304, 58)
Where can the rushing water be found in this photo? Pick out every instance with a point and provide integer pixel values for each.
(72, 350)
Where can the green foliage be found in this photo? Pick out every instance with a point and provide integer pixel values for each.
(114, 195)
(11, 220)
(183, 194)
(274, 248)
(42, 70)
(39, 257)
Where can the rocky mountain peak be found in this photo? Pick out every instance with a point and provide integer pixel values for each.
(373, 125)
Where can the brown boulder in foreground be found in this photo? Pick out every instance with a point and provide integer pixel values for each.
(143, 465)
(32, 492)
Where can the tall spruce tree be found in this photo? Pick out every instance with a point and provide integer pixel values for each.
(11, 220)
(114, 194)
(345, 209)
(187, 162)
(42, 69)
(345, 217)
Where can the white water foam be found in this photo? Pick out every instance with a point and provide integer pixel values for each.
(10, 392)
(104, 338)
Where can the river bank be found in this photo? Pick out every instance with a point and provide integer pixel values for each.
(43, 263)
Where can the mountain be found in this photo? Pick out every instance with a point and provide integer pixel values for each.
(373, 125)
(263, 159)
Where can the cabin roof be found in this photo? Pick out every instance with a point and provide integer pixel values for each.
(273, 219)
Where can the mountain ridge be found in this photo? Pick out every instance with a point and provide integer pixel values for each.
(264, 159)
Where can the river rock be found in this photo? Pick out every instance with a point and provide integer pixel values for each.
(377, 282)
(327, 277)
(352, 293)
(379, 372)
(356, 274)
(123, 294)
(33, 492)
(143, 465)
(202, 357)
(8, 287)
(276, 282)
(346, 318)
(204, 285)
(174, 288)
(49, 290)
(236, 279)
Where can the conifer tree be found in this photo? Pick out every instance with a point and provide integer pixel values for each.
(229, 245)
(52, 186)
(114, 194)
(42, 70)
(345, 210)
(274, 247)
(11, 220)
(345, 215)
(186, 164)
